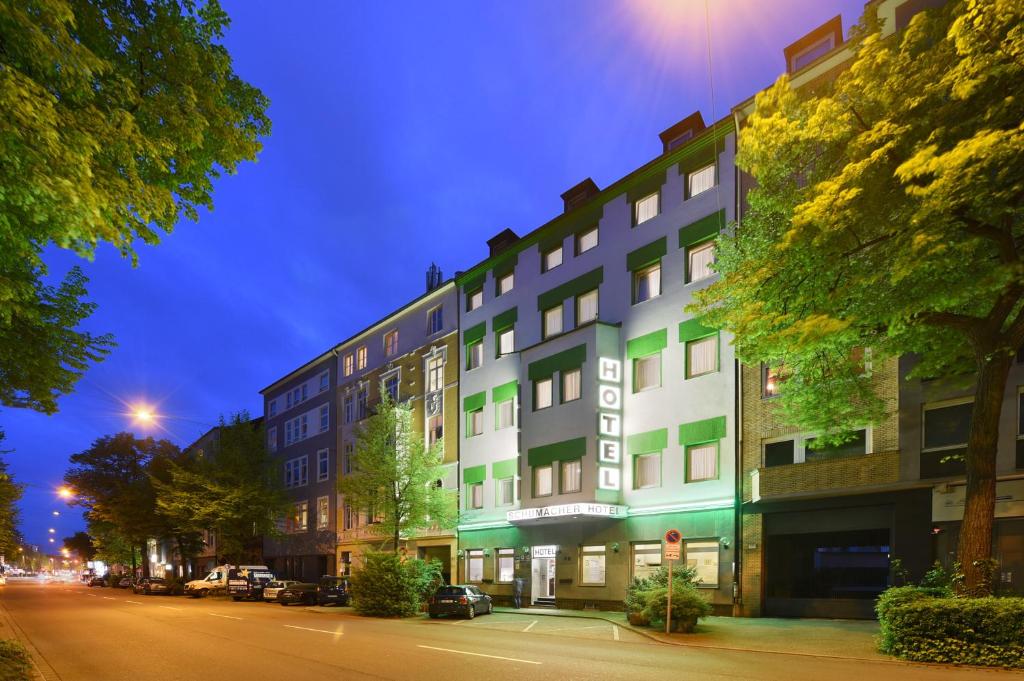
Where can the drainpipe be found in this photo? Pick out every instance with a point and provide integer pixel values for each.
(737, 585)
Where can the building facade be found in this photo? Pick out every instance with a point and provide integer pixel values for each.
(412, 354)
(596, 414)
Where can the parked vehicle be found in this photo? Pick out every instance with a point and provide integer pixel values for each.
(304, 593)
(97, 581)
(120, 581)
(216, 580)
(271, 589)
(332, 591)
(151, 585)
(465, 600)
(248, 583)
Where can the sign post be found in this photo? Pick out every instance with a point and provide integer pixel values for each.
(670, 553)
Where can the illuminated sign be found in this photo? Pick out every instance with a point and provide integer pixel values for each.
(563, 510)
(545, 551)
(609, 451)
(609, 423)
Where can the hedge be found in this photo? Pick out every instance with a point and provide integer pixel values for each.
(15, 663)
(919, 625)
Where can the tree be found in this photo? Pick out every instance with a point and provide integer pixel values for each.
(395, 476)
(10, 514)
(233, 489)
(81, 544)
(887, 215)
(116, 117)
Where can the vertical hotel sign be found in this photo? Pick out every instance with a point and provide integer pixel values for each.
(609, 424)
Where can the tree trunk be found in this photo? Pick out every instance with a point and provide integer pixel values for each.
(975, 546)
(145, 561)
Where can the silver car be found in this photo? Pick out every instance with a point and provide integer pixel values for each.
(271, 590)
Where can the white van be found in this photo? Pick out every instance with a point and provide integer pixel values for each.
(217, 579)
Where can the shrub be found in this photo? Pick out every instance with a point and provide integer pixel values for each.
(687, 603)
(15, 663)
(387, 586)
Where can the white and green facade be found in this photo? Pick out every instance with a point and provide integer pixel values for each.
(596, 413)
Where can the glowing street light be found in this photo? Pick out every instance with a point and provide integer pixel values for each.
(51, 540)
(52, 531)
(65, 492)
(56, 513)
(144, 415)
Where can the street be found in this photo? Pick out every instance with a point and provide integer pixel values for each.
(109, 634)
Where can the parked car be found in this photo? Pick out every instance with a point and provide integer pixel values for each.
(332, 591)
(304, 593)
(248, 583)
(216, 580)
(466, 600)
(121, 581)
(273, 588)
(151, 585)
(97, 581)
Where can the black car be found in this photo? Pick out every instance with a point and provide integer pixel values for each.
(332, 591)
(97, 581)
(465, 600)
(151, 585)
(304, 593)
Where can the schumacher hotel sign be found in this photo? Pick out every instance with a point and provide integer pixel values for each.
(563, 510)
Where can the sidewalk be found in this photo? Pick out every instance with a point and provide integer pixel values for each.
(820, 638)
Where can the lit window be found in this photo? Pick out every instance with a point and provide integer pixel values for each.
(474, 299)
(391, 343)
(702, 462)
(647, 283)
(361, 358)
(348, 364)
(647, 372)
(772, 378)
(506, 414)
(700, 258)
(701, 356)
(542, 481)
(475, 495)
(475, 565)
(572, 476)
(323, 513)
(435, 373)
(702, 556)
(701, 180)
(646, 560)
(506, 283)
(506, 565)
(506, 341)
(542, 394)
(475, 422)
(553, 321)
(586, 307)
(648, 471)
(586, 240)
(474, 355)
(506, 490)
(571, 381)
(435, 320)
(646, 208)
(435, 430)
(300, 517)
(592, 565)
(551, 259)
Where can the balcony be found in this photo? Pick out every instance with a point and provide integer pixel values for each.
(825, 474)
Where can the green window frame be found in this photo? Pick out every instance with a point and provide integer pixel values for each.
(469, 422)
(718, 460)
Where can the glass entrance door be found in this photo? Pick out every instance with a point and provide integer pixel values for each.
(543, 582)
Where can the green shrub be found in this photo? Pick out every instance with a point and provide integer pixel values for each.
(922, 627)
(687, 603)
(387, 586)
(15, 663)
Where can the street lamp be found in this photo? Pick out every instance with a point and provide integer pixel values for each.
(52, 531)
(143, 414)
(65, 492)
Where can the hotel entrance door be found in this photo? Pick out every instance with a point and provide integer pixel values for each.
(542, 584)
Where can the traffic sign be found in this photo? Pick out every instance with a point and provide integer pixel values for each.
(673, 537)
(671, 552)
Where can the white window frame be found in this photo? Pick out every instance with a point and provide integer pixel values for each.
(593, 552)
(581, 247)
(391, 343)
(475, 355)
(361, 358)
(325, 417)
(697, 180)
(637, 388)
(323, 513)
(476, 422)
(584, 298)
(655, 456)
(322, 456)
(572, 385)
(508, 558)
(691, 276)
(716, 445)
(552, 258)
(325, 381)
(551, 480)
(695, 343)
(712, 545)
(499, 420)
(506, 341)
(475, 565)
(647, 208)
(435, 321)
(475, 299)
(272, 439)
(348, 364)
(925, 408)
(642, 273)
(506, 283)
(547, 320)
(499, 497)
(475, 496)
(435, 374)
(565, 476)
(543, 387)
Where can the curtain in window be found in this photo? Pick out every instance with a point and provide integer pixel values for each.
(648, 372)
(646, 208)
(703, 462)
(702, 180)
(648, 470)
(703, 355)
(588, 308)
(571, 385)
(700, 262)
(571, 474)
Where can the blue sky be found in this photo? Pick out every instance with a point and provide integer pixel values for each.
(404, 133)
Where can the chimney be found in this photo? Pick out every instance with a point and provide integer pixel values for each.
(501, 241)
(578, 195)
(434, 277)
(682, 132)
(814, 45)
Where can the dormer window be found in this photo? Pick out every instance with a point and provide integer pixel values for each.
(679, 140)
(813, 52)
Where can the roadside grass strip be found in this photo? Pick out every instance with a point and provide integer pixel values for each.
(466, 652)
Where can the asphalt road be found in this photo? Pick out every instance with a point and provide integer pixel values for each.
(100, 634)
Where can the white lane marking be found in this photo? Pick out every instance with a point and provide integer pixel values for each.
(459, 622)
(227, 617)
(93, 595)
(322, 631)
(615, 632)
(110, 598)
(169, 607)
(529, 626)
(493, 657)
(135, 602)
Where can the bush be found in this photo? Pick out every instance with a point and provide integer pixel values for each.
(387, 586)
(921, 626)
(687, 604)
(15, 663)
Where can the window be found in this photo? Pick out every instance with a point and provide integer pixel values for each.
(474, 355)
(947, 427)
(325, 381)
(348, 364)
(435, 320)
(678, 140)
(571, 478)
(647, 471)
(349, 407)
(325, 418)
(542, 481)
(390, 386)
(701, 356)
(474, 299)
(646, 208)
(779, 453)
(506, 341)
(586, 240)
(506, 565)
(703, 557)
(542, 394)
(346, 459)
(586, 307)
(272, 408)
(592, 565)
(809, 54)
(699, 181)
(571, 381)
(391, 343)
(323, 465)
(647, 283)
(323, 513)
(361, 358)
(702, 462)
(299, 520)
(296, 472)
(551, 259)
(699, 259)
(296, 429)
(361, 397)
(646, 559)
(475, 422)
(505, 414)
(435, 373)
(553, 321)
(505, 283)
(647, 372)
(506, 488)
(351, 519)
(272, 439)
(475, 495)
(772, 378)
(435, 429)
(801, 448)
(475, 565)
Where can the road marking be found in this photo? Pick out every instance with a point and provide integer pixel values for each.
(110, 598)
(322, 631)
(169, 607)
(459, 622)
(529, 626)
(615, 632)
(227, 617)
(493, 657)
(93, 595)
(135, 602)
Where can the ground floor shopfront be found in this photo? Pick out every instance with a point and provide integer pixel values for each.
(440, 547)
(584, 562)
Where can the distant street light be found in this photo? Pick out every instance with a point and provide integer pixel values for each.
(144, 414)
(56, 513)
(65, 492)
(52, 531)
